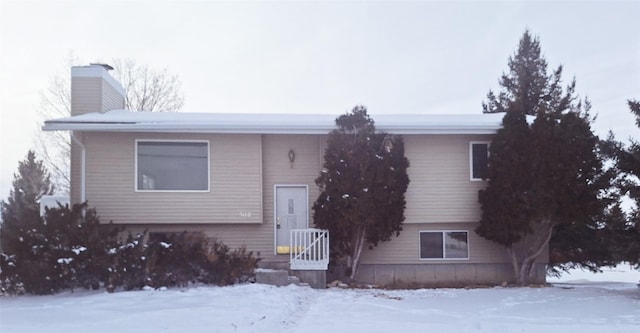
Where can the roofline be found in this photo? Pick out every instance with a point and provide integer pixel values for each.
(311, 124)
(199, 128)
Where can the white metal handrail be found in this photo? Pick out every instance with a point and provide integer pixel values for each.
(309, 249)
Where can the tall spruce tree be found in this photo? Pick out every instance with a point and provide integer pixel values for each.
(628, 163)
(527, 87)
(22, 208)
(362, 184)
(541, 174)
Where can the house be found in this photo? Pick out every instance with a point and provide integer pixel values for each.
(249, 180)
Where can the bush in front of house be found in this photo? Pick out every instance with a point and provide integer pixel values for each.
(59, 252)
(178, 259)
(70, 249)
(227, 267)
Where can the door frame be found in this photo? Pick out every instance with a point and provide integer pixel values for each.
(275, 210)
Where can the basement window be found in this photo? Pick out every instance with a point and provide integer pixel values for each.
(444, 245)
(172, 166)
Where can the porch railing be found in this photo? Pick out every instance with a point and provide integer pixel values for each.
(309, 249)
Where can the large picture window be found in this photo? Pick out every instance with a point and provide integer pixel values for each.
(444, 245)
(479, 153)
(172, 165)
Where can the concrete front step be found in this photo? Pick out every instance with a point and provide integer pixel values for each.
(278, 273)
(277, 277)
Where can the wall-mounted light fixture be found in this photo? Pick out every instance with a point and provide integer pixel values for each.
(292, 157)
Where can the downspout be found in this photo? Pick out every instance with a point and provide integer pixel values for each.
(83, 164)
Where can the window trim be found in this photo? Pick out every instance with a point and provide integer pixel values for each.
(135, 171)
(444, 245)
(471, 143)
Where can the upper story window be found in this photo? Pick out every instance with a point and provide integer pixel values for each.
(172, 165)
(479, 160)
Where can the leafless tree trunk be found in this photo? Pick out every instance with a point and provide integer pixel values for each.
(524, 253)
(358, 245)
(146, 90)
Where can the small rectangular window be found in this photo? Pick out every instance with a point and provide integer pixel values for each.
(172, 166)
(444, 245)
(291, 205)
(479, 160)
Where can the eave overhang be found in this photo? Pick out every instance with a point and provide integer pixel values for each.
(177, 122)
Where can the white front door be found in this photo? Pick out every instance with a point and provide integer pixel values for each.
(291, 212)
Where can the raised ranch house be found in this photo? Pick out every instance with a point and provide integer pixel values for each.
(248, 179)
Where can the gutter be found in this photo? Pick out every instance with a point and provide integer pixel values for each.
(83, 165)
(265, 129)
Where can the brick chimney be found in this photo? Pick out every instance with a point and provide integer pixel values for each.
(93, 89)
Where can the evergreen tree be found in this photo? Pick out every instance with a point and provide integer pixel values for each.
(541, 175)
(362, 185)
(22, 208)
(527, 87)
(627, 247)
(632, 167)
(616, 237)
(629, 163)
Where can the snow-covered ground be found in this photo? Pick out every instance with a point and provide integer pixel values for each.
(580, 302)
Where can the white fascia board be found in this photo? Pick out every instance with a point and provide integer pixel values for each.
(182, 128)
(198, 128)
(127, 121)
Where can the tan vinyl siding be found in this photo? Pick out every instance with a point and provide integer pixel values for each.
(440, 188)
(405, 249)
(254, 237)
(279, 171)
(112, 99)
(86, 95)
(235, 182)
(89, 94)
(93, 94)
(245, 170)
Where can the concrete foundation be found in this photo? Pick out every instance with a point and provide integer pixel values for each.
(273, 277)
(315, 279)
(442, 275)
(277, 277)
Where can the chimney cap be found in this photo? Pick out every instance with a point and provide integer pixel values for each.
(105, 66)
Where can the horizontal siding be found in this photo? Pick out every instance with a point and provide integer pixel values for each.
(244, 171)
(86, 95)
(112, 99)
(251, 236)
(440, 188)
(279, 171)
(235, 177)
(405, 249)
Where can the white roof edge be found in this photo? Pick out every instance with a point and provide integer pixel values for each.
(193, 129)
(97, 71)
(127, 121)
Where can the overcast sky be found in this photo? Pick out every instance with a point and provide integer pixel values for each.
(318, 57)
